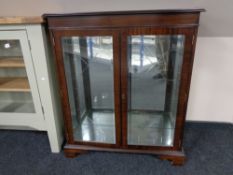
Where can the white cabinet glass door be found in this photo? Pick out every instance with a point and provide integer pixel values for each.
(18, 89)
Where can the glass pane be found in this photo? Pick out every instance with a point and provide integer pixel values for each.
(15, 93)
(154, 67)
(89, 74)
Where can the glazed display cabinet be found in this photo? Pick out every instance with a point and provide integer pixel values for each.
(124, 79)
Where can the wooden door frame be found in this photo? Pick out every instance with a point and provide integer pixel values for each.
(56, 35)
(190, 36)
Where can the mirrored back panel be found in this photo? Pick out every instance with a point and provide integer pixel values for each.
(89, 74)
(154, 68)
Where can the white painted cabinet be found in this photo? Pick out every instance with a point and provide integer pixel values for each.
(28, 95)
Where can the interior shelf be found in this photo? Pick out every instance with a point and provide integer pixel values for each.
(14, 84)
(11, 63)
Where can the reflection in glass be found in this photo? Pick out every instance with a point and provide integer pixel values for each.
(15, 93)
(89, 74)
(154, 66)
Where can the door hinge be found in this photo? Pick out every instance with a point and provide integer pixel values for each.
(29, 43)
(53, 41)
(180, 143)
(193, 39)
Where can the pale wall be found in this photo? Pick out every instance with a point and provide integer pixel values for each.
(211, 96)
(217, 21)
(211, 93)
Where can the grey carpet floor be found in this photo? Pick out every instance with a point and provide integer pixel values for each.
(209, 149)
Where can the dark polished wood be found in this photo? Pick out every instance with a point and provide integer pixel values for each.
(132, 12)
(58, 34)
(176, 157)
(173, 18)
(188, 33)
(73, 153)
(120, 25)
(177, 160)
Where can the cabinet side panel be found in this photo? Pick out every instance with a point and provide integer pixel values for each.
(46, 79)
(185, 86)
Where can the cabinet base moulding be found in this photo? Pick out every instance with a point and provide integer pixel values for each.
(176, 157)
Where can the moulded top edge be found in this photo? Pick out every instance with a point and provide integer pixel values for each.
(162, 11)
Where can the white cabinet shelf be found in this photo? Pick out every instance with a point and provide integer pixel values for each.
(14, 84)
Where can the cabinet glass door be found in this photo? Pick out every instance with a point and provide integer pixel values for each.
(89, 71)
(154, 68)
(15, 91)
